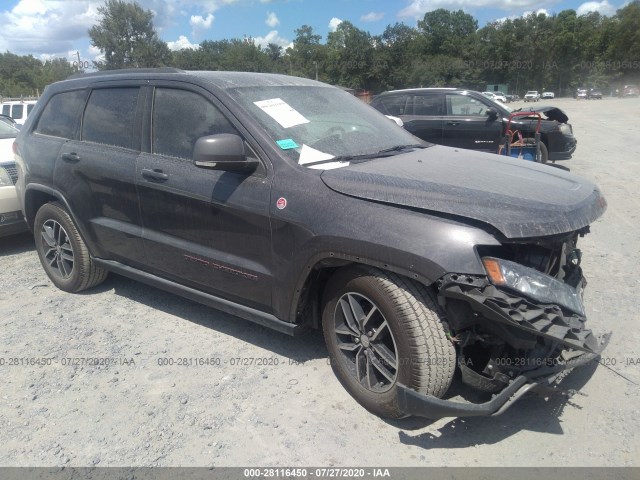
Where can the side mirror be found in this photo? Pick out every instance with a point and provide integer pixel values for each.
(224, 151)
(492, 113)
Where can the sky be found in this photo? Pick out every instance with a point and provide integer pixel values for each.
(58, 28)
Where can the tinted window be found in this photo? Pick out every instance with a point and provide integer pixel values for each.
(6, 109)
(17, 111)
(395, 105)
(61, 115)
(109, 117)
(465, 105)
(30, 107)
(427, 104)
(180, 118)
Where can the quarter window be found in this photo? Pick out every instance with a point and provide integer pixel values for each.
(60, 116)
(180, 118)
(110, 117)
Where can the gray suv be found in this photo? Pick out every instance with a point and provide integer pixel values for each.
(292, 204)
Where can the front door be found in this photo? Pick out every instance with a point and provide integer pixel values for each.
(467, 124)
(208, 229)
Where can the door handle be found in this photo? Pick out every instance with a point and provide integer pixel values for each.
(71, 157)
(453, 124)
(155, 174)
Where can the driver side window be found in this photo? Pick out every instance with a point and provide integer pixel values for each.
(180, 117)
(464, 105)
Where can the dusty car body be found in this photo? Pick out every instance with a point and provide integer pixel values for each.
(294, 205)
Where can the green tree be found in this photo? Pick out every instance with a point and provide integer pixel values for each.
(127, 38)
(350, 56)
(307, 54)
(447, 32)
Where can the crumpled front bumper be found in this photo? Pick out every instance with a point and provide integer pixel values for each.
(421, 405)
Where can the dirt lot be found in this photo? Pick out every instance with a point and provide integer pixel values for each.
(290, 409)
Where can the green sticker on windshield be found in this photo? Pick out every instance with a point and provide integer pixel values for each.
(287, 144)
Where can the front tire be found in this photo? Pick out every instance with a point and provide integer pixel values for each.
(63, 254)
(382, 330)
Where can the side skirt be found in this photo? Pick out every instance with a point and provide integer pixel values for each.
(227, 306)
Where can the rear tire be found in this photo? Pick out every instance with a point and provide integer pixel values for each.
(382, 330)
(63, 254)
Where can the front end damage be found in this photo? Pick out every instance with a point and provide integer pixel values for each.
(518, 329)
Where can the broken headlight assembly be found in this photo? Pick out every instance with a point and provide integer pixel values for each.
(533, 284)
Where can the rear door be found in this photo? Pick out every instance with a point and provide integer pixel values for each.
(97, 171)
(208, 229)
(425, 116)
(467, 124)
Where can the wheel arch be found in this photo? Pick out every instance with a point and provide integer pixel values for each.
(37, 195)
(309, 289)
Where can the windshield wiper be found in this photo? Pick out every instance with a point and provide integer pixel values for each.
(387, 152)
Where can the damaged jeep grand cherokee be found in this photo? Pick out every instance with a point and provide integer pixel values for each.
(292, 204)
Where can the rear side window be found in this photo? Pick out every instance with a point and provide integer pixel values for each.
(61, 115)
(6, 110)
(109, 117)
(17, 111)
(430, 104)
(394, 105)
(30, 107)
(180, 118)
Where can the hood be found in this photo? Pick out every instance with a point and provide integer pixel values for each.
(521, 199)
(552, 113)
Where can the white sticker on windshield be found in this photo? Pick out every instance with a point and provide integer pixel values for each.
(281, 112)
(310, 155)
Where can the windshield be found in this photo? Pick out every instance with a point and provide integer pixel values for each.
(314, 124)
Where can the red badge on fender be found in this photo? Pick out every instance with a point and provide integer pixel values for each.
(281, 203)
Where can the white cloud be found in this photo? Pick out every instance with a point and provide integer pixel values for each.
(333, 24)
(273, 37)
(417, 8)
(45, 28)
(540, 11)
(182, 43)
(199, 23)
(273, 21)
(372, 17)
(603, 8)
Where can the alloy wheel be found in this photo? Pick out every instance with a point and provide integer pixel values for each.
(57, 249)
(366, 342)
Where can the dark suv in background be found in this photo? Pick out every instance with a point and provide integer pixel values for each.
(295, 205)
(467, 119)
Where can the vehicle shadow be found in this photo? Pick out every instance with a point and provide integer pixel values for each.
(16, 244)
(308, 346)
(534, 412)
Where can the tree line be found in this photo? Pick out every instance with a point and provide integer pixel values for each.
(559, 52)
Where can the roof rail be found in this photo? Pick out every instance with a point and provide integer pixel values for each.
(123, 71)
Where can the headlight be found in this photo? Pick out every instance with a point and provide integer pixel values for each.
(5, 179)
(566, 129)
(532, 283)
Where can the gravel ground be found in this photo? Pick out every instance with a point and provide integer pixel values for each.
(288, 409)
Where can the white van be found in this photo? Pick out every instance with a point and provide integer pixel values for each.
(19, 110)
